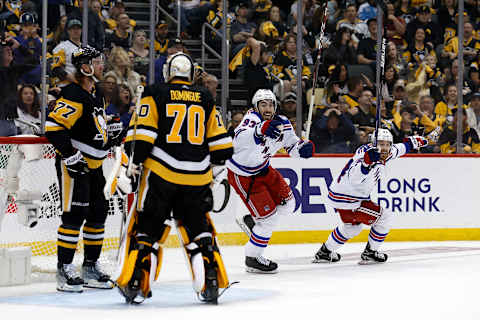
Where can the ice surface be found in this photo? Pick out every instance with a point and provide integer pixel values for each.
(421, 280)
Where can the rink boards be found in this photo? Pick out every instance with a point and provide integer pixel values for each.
(432, 197)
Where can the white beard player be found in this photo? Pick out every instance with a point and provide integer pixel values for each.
(350, 193)
(262, 188)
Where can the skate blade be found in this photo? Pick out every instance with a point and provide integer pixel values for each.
(368, 262)
(130, 296)
(244, 227)
(323, 261)
(70, 288)
(94, 284)
(253, 270)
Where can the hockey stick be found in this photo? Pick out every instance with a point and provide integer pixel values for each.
(135, 122)
(315, 71)
(380, 64)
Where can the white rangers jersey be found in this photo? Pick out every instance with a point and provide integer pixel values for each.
(62, 57)
(356, 182)
(252, 150)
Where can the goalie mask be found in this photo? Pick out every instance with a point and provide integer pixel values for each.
(84, 56)
(268, 96)
(179, 65)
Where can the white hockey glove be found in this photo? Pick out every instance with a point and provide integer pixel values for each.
(76, 165)
(128, 181)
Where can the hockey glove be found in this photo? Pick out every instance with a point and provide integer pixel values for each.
(416, 142)
(371, 156)
(128, 181)
(271, 128)
(115, 130)
(307, 149)
(76, 165)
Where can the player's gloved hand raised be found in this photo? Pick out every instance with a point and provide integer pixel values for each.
(416, 142)
(371, 156)
(76, 165)
(307, 149)
(114, 130)
(271, 128)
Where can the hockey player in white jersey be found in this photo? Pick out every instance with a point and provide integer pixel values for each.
(350, 193)
(261, 187)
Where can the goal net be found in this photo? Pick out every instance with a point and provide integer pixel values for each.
(37, 175)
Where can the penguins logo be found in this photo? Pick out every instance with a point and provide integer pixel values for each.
(101, 124)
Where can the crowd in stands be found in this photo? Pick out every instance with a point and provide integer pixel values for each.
(422, 67)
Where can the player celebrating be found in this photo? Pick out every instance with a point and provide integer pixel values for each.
(178, 135)
(77, 128)
(261, 187)
(350, 193)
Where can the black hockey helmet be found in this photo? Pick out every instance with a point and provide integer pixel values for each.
(84, 55)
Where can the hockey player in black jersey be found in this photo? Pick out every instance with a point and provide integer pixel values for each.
(77, 128)
(179, 134)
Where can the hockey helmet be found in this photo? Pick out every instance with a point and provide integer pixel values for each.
(179, 65)
(85, 55)
(28, 18)
(264, 94)
(383, 135)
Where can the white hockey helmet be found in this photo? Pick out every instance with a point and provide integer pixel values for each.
(179, 65)
(264, 94)
(383, 135)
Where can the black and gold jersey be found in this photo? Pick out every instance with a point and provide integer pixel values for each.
(78, 121)
(179, 133)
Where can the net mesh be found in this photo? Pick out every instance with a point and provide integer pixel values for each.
(39, 175)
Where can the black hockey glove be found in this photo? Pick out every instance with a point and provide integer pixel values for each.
(115, 130)
(76, 165)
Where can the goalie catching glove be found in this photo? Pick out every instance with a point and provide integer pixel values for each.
(76, 165)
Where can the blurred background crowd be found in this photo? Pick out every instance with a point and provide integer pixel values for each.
(421, 72)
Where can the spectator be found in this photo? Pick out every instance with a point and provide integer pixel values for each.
(234, 123)
(394, 58)
(241, 29)
(210, 82)
(474, 108)
(331, 132)
(433, 32)
(450, 29)
(391, 77)
(261, 9)
(400, 97)
(427, 107)
(364, 118)
(122, 105)
(342, 50)
(275, 18)
(138, 54)
(28, 109)
(122, 69)
(355, 89)
(395, 26)
(62, 67)
(29, 40)
(452, 77)
(9, 74)
(367, 11)
(448, 138)
(174, 46)
(112, 22)
(121, 36)
(446, 14)
(404, 10)
(445, 108)
(406, 124)
(58, 34)
(358, 27)
(96, 33)
(289, 105)
(339, 76)
(471, 46)
(417, 49)
(96, 7)
(161, 38)
(366, 48)
(109, 89)
(6, 14)
(474, 76)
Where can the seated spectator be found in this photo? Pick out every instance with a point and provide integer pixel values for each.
(364, 118)
(367, 11)
(406, 123)
(109, 89)
(260, 10)
(115, 11)
(331, 131)
(350, 21)
(210, 82)
(395, 59)
(448, 15)
(342, 50)
(391, 77)
(234, 123)
(241, 29)
(96, 33)
(30, 41)
(216, 19)
(474, 109)
(471, 46)
(8, 14)
(121, 69)
(174, 45)
(58, 34)
(161, 38)
(122, 35)
(445, 108)
(289, 105)
(435, 77)
(395, 26)
(138, 54)
(427, 107)
(433, 32)
(28, 109)
(285, 63)
(452, 77)
(275, 18)
(474, 76)
(448, 138)
(404, 10)
(339, 76)
(122, 105)
(96, 7)
(366, 48)
(355, 89)
(417, 49)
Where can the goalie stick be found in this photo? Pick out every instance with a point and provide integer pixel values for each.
(316, 69)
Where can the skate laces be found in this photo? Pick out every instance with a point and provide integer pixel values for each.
(263, 260)
(70, 271)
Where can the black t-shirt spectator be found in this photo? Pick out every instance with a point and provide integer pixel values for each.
(364, 119)
(256, 77)
(433, 32)
(367, 48)
(118, 41)
(96, 33)
(237, 27)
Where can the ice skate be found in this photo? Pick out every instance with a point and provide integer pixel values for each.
(68, 280)
(372, 257)
(94, 278)
(260, 265)
(246, 223)
(324, 255)
(210, 293)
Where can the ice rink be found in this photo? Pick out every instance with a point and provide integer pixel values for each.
(421, 280)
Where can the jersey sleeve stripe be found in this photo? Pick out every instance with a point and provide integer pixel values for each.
(221, 146)
(142, 134)
(89, 150)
